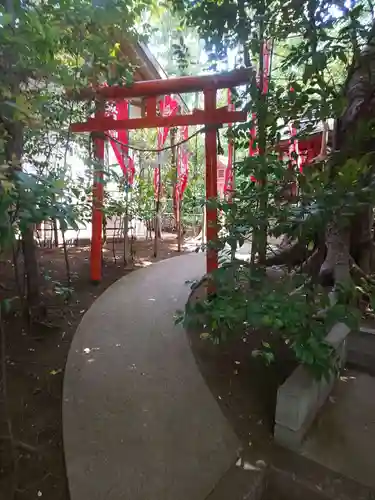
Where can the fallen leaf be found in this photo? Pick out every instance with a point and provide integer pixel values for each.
(55, 372)
(246, 465)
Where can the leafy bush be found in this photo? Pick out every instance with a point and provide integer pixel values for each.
(242, 302)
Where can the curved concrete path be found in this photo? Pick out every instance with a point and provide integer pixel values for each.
(139, 421)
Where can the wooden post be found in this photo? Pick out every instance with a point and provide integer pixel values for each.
(176, 193)
(178, 224)
(211, 182)
(126, 225)
(157, 211)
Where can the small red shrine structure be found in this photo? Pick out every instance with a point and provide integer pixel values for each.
(211, 116)
(309, 146)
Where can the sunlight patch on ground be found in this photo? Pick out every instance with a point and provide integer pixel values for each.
(145, 263)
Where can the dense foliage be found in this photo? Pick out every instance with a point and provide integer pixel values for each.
(49, 50)
(318, 73)
(317, 51)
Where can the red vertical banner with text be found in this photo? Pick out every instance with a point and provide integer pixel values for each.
(167, 107)
(119, 141)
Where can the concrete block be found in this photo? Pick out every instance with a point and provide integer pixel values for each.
(338, 334)
(288, 438)
(361, 350)
(301, 396)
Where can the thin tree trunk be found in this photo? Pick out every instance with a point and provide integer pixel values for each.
(6, 413)
(114, 242)
(31, 266)
(157, 213)
(254, 243)
(66, 258)
(126, 237)
(56, 233)
(176, 194)
(19, 287)
(14, 149)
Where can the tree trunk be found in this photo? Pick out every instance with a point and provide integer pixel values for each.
(337, 262)
(174, 176)
(354, 241)
(31, 266)
(126, 237)
(361, 239)
(55, 233)
(14, 150)
(157, 219)
(352, 140)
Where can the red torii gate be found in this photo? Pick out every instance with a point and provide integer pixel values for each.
(211, 116)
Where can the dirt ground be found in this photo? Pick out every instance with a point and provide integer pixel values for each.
(244, 386)
(35, 361)
(246, 390)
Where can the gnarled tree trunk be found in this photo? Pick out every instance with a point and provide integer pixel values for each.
(352, 141)
(361, 238)
(337, 262)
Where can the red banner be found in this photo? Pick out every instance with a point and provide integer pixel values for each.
(262, 80)
(168, 107)
(130, 168)
(121, 112)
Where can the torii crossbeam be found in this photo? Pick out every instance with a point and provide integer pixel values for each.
(210, 116)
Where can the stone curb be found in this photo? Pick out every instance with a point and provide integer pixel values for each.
(301, 396)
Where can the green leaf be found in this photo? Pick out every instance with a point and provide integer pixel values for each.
(5, 306)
